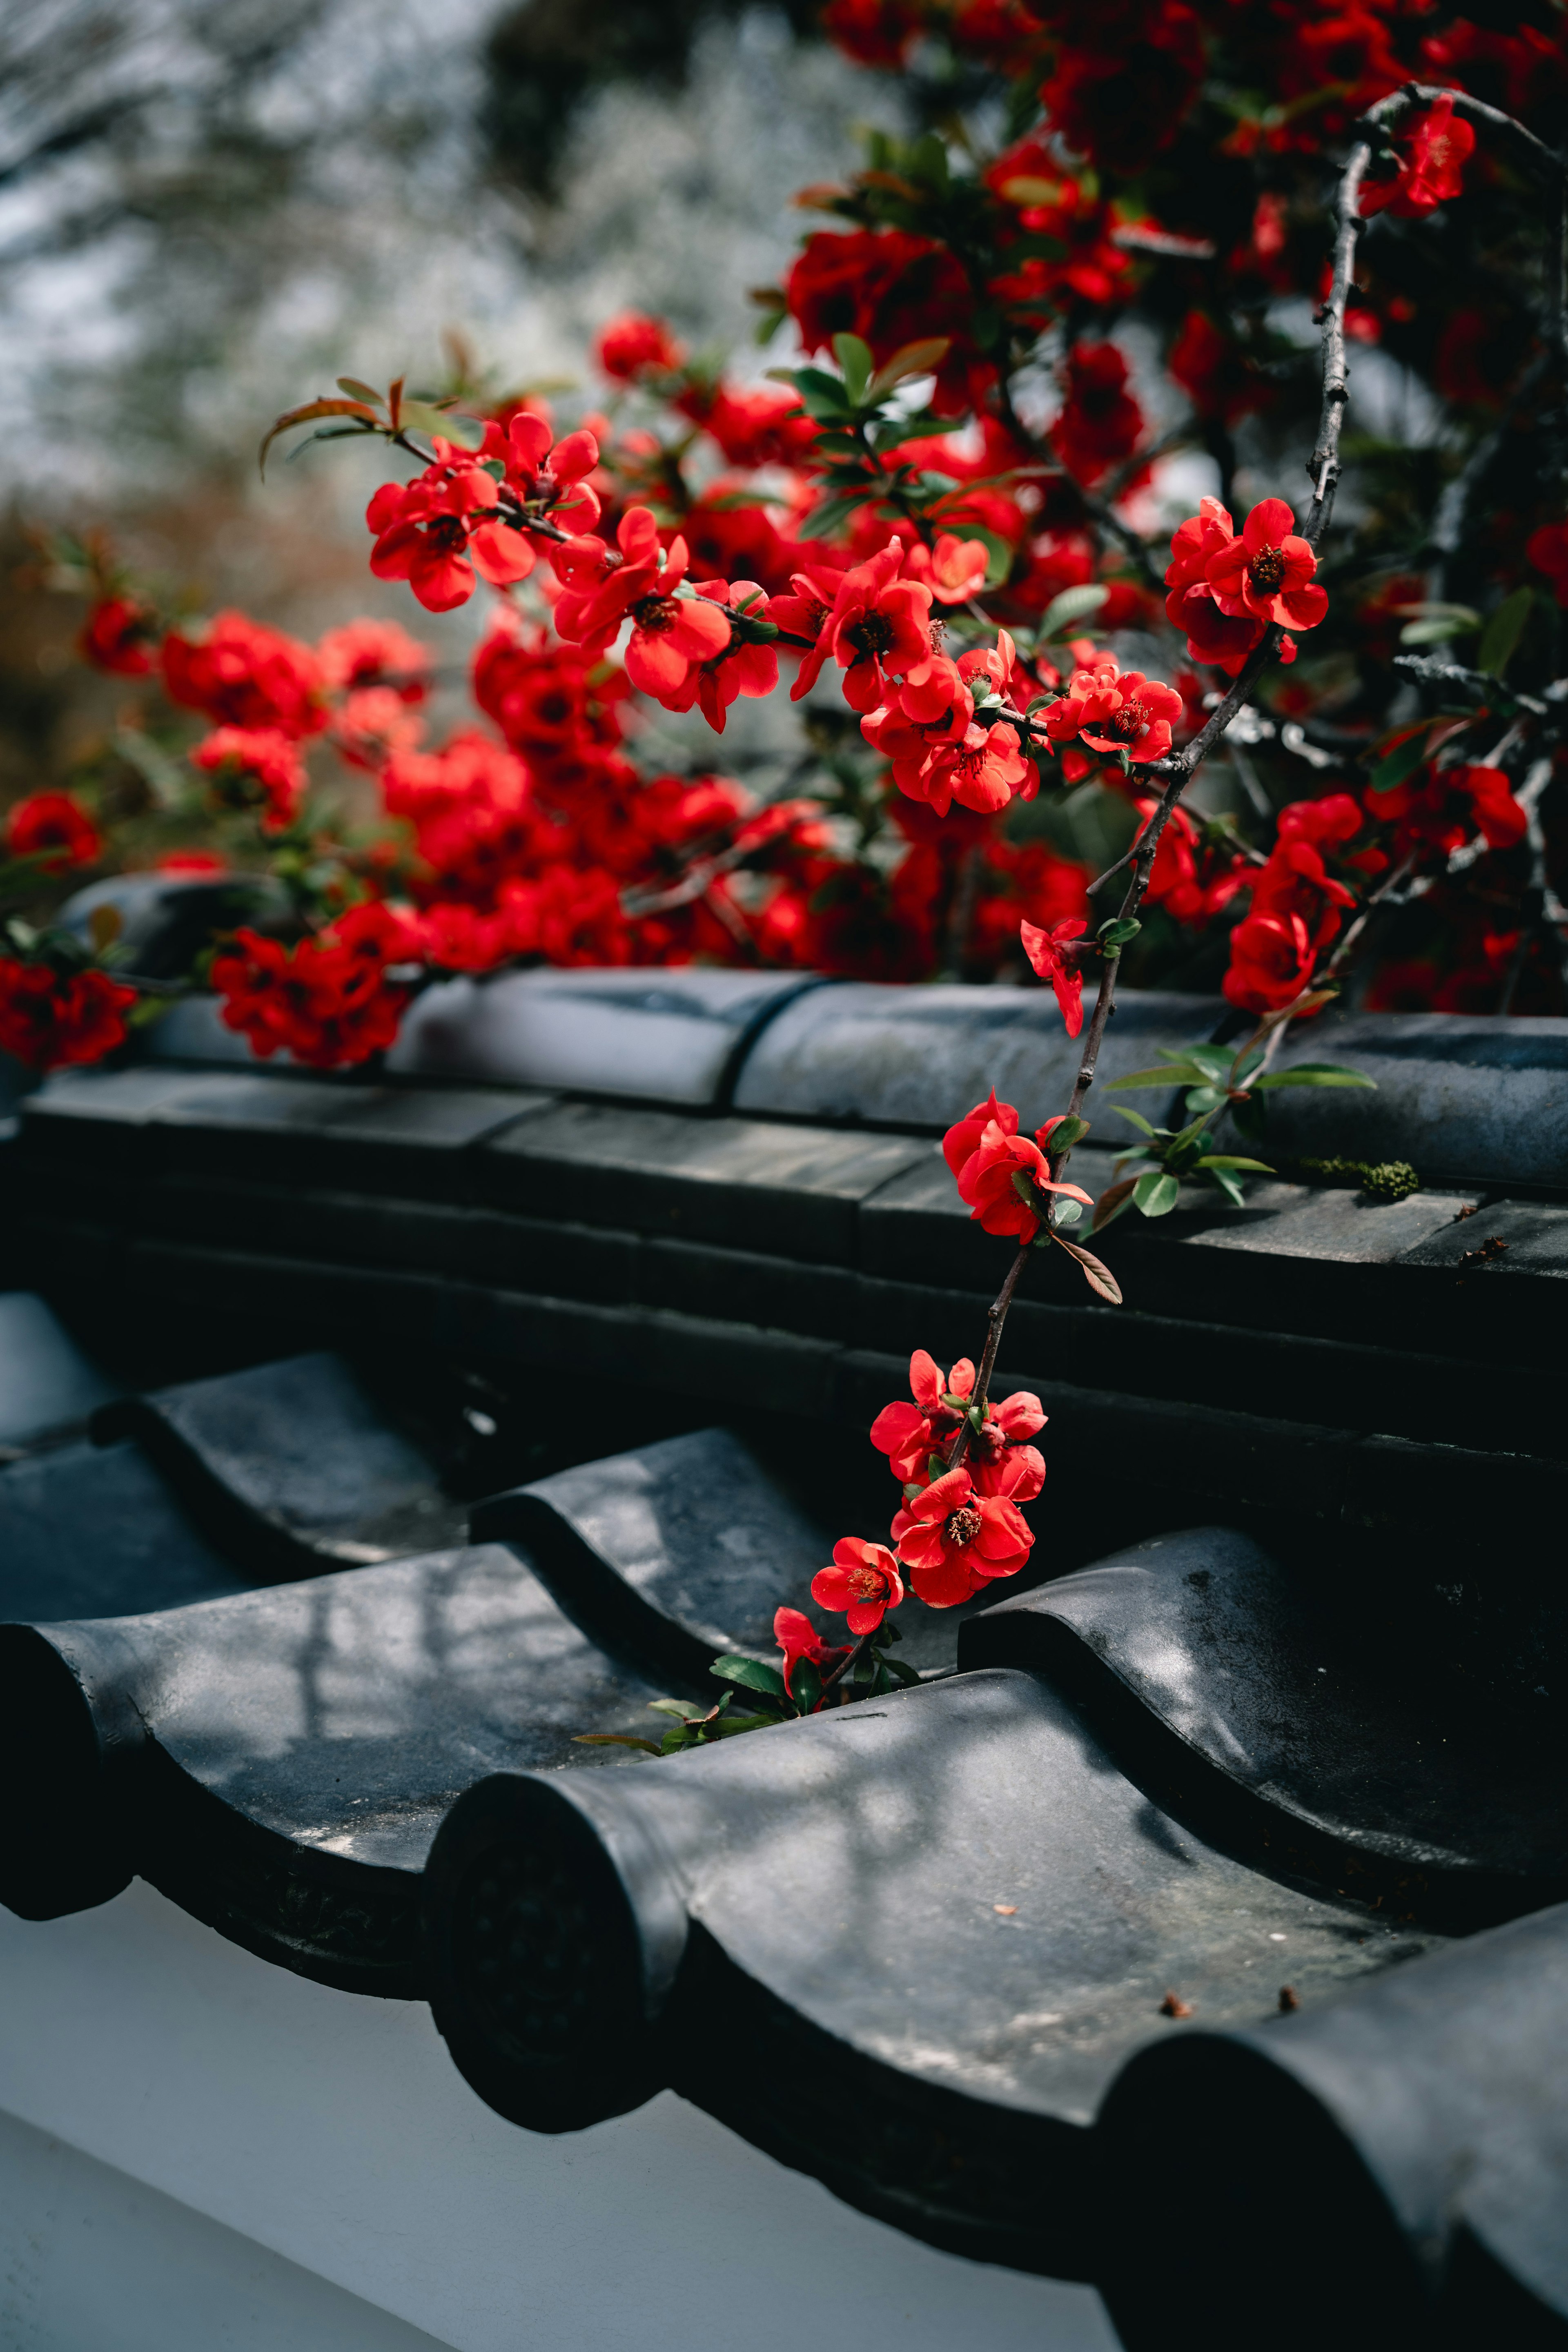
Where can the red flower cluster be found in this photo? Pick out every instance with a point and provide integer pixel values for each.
(1000, 1173)
(255, 766)
(890, 286)
(1298, 905)
(1111, 711)
(327, 1000)
(55, 828)
(466, 515)
(1227, 589)
(1439, 810)
(118, 636)
(242, 675)
(48, 1018)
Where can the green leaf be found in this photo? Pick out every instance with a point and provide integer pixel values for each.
(615, 1739)
(1136, 1117)
(1499, 638)
(422, 416)
(900, 1670)
(308, 416)
(1066, 1213)
(1230, 1160)
(1070, 1131)
(855, 358)
(357, 391)
(1315, 1073)
(1116, 934)
(684, 1710)
(729, 1725)
(1157, 1194)
(1214, 1059)
(806, 1687)
(1402, 761)
(1169, 1074)
(1224, 1181)
(1436, 631)
(1201, 1100)
(752, 1675)
(825, 520)
(1072, 605)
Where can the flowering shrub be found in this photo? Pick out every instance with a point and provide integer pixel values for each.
(941, 531)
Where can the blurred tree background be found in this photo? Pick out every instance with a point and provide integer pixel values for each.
(209, 208)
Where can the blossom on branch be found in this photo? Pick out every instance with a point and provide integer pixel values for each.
(1429, 172)
(443, 527)
(637, 579)
(242, 675)
(55, 828)
(50, 1019)
(1115, 711)
(255, 765)
(1048, 955)
(1000, 1173)
(1266, 573)
(952, 1539)
(798, 1638)
(862, 1584)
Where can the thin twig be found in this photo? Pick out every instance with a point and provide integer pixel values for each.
(995, 1316)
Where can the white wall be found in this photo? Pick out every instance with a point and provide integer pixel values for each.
(333, 2130)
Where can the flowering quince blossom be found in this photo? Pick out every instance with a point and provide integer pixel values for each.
(54, 827)
(952, 569)
(637, 579)
(743, 666)
(877, 627)
(862, 1584)
(1045, 952)
(326, 999)
(50, 1019)
(440, 530)
(242, 675)
(1271, 959)
(987, 1156)
(798, 1638)
(1266, 573)
(910, 1435)
(952, 1539)
(1438, 142)
(260, 760)
(116, 636)
(1115, 711)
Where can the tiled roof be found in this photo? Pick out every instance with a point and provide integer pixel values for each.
(1285, 1713)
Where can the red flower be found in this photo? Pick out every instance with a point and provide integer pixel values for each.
(863, 1583)
(327, 1002)
(438, 530)
(798, 1638)
(242, 675)
(1100, 423)
(1271, 959)
(953, 570)
(756, 424)
(637, 580)
(1547, 548)
(49, 1019)
(1123, 82)
(1441, 809)
(1267, 574)
(873, 32)
(255, 762)
(986, 1154)
(1045, 952)
(553, 480)
(915, 1437)
(952, 1539)
(891, 288)
(56, 823)
(1112, 710)
(117, 636)
(362, 654)
(1436, 145)
(879, 626)
(632, 342)
(742, 668)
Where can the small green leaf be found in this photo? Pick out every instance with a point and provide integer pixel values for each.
(1315, 1074)
(1157, 1194)
(1116, 934)
(1402, 761)
(1066, 1213)
(855, 358)
(806, 1687)
(752, 1675)
(1214, 1060)
(1499, 638)
(1168, 1074)
(684, 1710)
(1224, 1181)
(1070, 1131)
(615, 1739)
(1228, 1159)
(1136, 1117)
(1436, 631)
(1071, 605)
(1203, 1100)
(900, 1671)
(357, 391)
